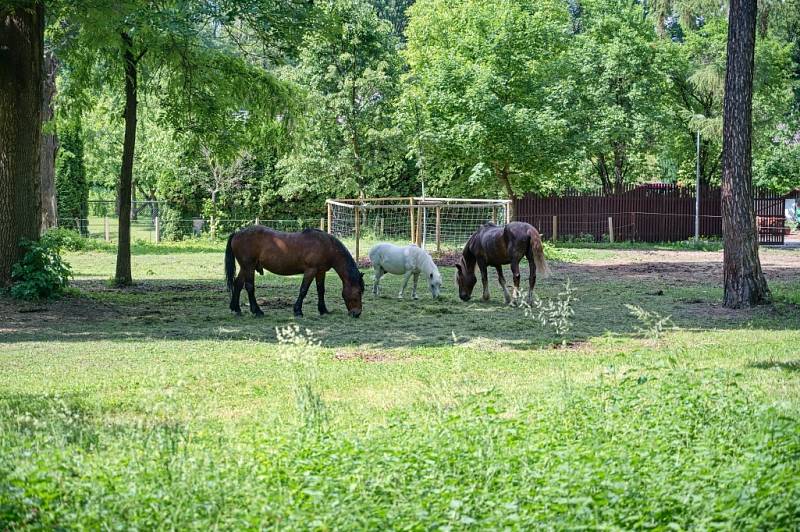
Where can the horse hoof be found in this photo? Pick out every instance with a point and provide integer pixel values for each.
(415, 298)
(258, 314)
(324, 311)
(298, 314)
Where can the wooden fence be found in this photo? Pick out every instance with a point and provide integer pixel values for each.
(644, 213)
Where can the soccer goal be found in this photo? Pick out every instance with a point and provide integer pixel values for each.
(435, 224)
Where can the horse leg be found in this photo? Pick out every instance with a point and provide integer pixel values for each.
(321, 294)
(298, 305)
(405, 282)
(414, 286)
(515, 272)
(238, 284)
(532, 278)
(502, 281)
(376, 286)
(250, 286)
(484, 279)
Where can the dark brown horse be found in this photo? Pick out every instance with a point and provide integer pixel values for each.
(492, 245)
(310, 252)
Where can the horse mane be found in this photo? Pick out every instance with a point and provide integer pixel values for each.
(350, 264)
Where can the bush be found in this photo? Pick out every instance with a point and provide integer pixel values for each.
(62, 238)
(173, 226)
(41, 274)
(71, 185)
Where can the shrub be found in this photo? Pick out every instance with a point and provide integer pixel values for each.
(71, 185)
(41, 274)
(172, 225)
(62, 238)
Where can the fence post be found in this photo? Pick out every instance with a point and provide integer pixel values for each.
(411, 219)
(611, 229)
(322, 224)
(438, 229)
(494, 215)
(418, 242)
(358, 231)
(213, 229)
(381, 226)
(555, 228)
(258, 222)
(105, 229)
(158, 230)
(330, 219)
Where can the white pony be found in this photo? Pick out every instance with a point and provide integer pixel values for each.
(408, 260)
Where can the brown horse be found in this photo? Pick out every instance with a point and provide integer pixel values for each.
(495, 246)
(310, 252)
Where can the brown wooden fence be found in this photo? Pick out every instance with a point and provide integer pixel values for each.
(644, 213)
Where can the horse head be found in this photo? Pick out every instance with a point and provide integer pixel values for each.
(352, 292)
(465, 279)
(435, 282)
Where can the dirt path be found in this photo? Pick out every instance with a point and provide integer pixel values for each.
(677, 266)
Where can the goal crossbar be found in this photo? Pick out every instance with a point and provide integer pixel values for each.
(439, 222)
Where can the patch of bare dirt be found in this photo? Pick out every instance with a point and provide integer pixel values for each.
(19, 315)
(676, 267)
(368, 356)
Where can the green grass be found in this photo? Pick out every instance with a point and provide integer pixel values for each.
(153, 407)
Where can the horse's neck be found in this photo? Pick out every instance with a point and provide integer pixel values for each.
(342, 268)
(469, 259)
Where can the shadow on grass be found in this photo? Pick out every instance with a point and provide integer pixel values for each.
(175, 309)
(785, 365)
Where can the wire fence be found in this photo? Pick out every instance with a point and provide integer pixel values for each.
(156, 230)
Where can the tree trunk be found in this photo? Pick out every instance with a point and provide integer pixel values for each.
(619, 167)
(744, 282)
(21, 53)
(602, 172)
(123, 275)
(502, 176)
(47, 156)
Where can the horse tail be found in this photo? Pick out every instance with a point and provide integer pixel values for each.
(230, 264)
(537, 250)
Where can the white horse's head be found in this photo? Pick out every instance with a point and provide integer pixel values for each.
(434, 281)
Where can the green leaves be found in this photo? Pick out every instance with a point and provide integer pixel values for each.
(41, 274)
(474, 91)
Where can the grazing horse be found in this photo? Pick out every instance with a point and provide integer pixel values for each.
(310, 252)
(406, 261)
(492, 245)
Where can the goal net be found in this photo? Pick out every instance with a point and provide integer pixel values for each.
(435, 224)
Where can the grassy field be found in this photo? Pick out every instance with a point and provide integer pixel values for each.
(153, 407)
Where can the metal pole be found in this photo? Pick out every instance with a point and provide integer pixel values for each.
(697, 195)
(358, 232)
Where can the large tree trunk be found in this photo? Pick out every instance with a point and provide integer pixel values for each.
(744, 281)
(47, 163)
(21, 49)
(123, 275)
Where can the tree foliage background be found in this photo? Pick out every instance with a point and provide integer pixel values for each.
(262, 109)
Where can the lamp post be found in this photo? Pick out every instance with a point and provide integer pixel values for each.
(697, 195)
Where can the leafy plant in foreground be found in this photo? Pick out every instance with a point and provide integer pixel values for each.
(556, 313)
(300, 352)
(41, 274)
(653, 323)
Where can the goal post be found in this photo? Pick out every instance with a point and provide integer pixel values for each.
(436, 224)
